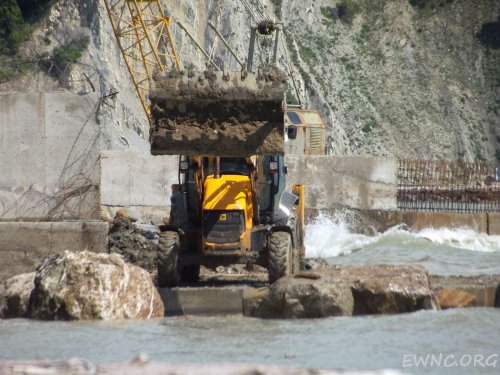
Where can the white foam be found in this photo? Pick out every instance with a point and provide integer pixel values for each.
(330, 236)
(463, 238)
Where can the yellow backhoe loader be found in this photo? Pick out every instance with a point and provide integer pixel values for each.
(231, 204)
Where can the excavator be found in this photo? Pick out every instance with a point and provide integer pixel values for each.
(228, 128)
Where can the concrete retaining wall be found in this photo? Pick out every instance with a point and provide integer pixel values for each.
(364, 183)
(23, 246)
(137, 181)
(49, 152)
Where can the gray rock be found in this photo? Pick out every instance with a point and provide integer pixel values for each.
(389, 289)
(343, 290)
(88, 285)
(134, 243)
(292, 297)
(14, 295)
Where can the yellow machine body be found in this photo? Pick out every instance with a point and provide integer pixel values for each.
(227, 207)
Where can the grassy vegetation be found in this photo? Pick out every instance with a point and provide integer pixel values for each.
(16, 17)
(65, 55)
(13, 29)
(12, 70)
(328, 12)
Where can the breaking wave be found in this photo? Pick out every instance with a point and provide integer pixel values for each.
(331, 236)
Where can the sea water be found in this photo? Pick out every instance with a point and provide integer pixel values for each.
(459, 341)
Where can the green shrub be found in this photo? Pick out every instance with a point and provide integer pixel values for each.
(65, 55)
(328, 12)
(71, 52)
(347, 9)
(6, 74)
(13, 29)
(367, 128)
(33, 9)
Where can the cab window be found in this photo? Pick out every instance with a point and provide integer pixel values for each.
(294, 118)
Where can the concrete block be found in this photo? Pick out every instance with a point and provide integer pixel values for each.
(131, 178)
(419, 220)
(364, 183)
(494, 224)
(50, 153)
(24, 245)
(203, 300)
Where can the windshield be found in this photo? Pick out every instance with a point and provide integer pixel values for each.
(228, 165)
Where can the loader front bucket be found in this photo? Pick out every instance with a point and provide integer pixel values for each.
(218, 113)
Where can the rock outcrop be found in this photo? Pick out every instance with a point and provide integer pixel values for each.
(346, 290)
(131, 242)
(15, 294)
(88, 285)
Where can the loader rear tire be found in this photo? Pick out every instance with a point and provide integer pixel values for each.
(168, 259)
(280, 261)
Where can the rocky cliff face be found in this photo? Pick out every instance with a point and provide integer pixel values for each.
(406, 78)
(413, 79)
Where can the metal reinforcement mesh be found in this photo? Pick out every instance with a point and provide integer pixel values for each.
(427, 185)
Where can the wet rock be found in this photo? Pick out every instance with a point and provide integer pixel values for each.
(389, 289)
(343, 290)
(134, 244)
(15, 294)
(292, 297)
(454, 298)
(87, 285)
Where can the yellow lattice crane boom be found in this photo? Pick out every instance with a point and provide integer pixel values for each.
(142, 30)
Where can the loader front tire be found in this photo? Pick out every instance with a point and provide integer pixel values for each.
(280, 259)
(168, 259)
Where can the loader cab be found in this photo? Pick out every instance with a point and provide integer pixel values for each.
(305, 132)
(270, 183)
(228, 165)
(266, 172)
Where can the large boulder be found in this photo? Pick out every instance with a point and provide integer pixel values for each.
(297, 297)
(343, 290)
(389, 289)
(15, 294)
(87, 285)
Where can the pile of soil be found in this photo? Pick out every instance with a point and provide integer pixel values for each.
(130, 242)
(237, 128)
(218, 113)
